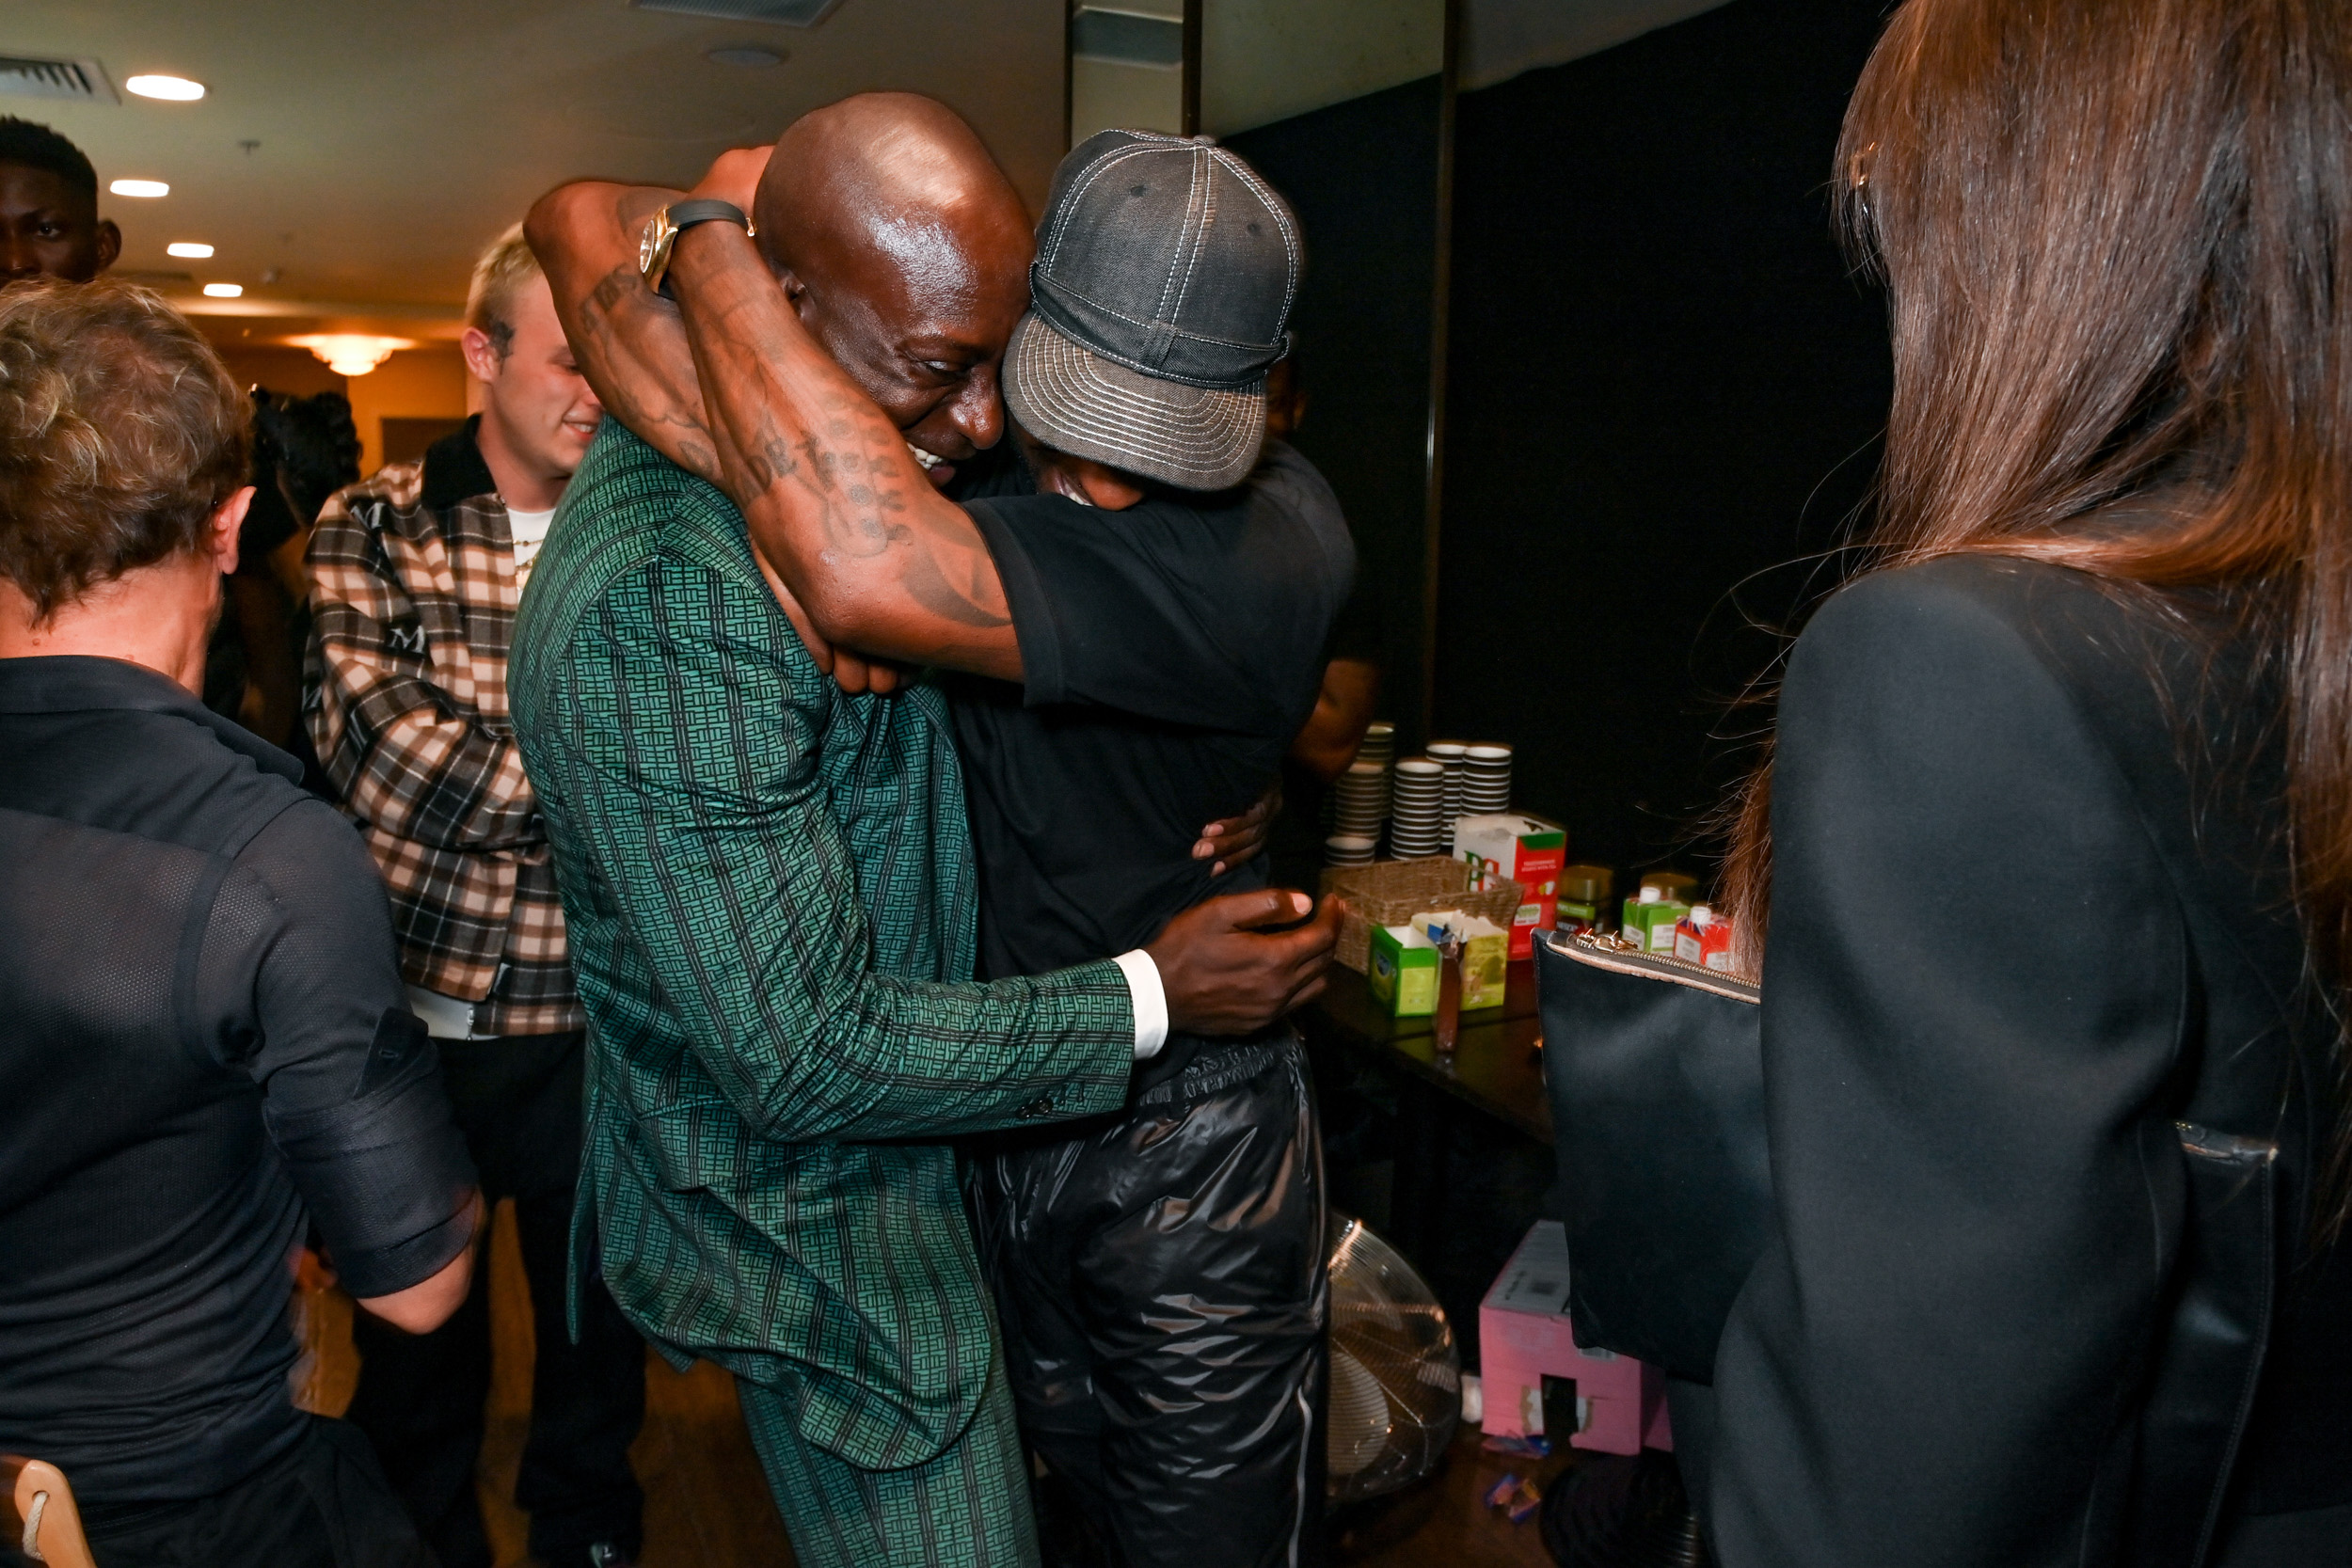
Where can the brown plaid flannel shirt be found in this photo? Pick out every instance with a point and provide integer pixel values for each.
(412, 595)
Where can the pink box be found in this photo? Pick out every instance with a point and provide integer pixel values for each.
(1523, 1337)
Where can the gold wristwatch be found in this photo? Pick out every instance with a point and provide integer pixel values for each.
(665, 227)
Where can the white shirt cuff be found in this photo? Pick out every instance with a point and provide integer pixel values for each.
(1150, 1001)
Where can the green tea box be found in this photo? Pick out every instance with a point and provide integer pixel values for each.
(1403, 971)
(1485, 952)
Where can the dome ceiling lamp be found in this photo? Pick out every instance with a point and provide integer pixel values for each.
(351, 353)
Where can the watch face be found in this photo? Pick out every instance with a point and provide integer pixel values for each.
(649, 245)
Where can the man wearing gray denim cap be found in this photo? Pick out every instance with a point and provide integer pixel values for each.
(1133, 607)
(1160, 1274)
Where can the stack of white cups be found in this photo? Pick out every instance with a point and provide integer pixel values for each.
(1417, 825)
(1486, 779)
(1450, 755)
(1359, 801)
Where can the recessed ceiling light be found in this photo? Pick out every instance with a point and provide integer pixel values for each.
(223, 290)
(189, 248)
(139, 187)
(747, 53)
(176, 89)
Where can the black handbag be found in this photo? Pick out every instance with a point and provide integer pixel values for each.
(1656, 1070)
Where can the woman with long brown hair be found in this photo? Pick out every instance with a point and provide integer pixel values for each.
(2056, 849)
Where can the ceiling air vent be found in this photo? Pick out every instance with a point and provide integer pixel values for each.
(22, 76)
(1127, 37)
(792, 13)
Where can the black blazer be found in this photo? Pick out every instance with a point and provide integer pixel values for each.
(2030, 911)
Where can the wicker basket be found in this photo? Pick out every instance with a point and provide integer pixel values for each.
(1391, 893)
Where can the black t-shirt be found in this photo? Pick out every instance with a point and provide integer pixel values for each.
(1171, 652)
(1295, 849)
(206, 1041)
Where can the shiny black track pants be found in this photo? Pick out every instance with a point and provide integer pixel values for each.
(1161, 1281)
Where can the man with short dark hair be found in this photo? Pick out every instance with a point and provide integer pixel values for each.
(415, 576)
(49, 222)
(207, 1047)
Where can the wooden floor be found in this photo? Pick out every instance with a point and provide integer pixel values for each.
(1445, 1522)
(707, 1503)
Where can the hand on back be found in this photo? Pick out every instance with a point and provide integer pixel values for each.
(1227, 970)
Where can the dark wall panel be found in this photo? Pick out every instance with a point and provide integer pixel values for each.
(1363, 178)
(1663, 385)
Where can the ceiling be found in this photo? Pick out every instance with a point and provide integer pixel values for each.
(1503, 38)
(389, 140)
(352, 156)
(1263, 61)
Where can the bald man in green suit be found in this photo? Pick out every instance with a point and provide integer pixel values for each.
(770, 895)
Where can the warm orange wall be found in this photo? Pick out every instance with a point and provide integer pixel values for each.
(429, 382)
(416, 383)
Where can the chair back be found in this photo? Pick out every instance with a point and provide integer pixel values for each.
(37, 1508)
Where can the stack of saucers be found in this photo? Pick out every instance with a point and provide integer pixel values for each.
(1359, 801)
(1417, 827)
(1379, 744)
(1450, 755)
(1486, 779)
(1347, 849)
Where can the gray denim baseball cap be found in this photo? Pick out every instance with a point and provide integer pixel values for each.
(1162, 291)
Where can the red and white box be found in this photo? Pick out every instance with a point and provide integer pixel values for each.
(1525, 1337)
(1527, 849)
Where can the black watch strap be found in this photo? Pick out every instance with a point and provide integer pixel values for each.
(685, 215)
(662, 231)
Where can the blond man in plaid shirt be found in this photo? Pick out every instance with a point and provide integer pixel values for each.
(415, 577)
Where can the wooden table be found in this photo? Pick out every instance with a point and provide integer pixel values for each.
(1495, 1067)
(1493, 1079)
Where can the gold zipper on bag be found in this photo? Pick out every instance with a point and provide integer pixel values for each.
(1606, 950)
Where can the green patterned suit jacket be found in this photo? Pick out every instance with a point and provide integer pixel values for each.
(771, 896)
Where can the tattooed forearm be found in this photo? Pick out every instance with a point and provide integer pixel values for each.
(631, 346)
(632, 349)
(876, 558)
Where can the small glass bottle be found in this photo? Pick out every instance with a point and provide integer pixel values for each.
(1650, 917)
(1585, 894)
(1674, 886)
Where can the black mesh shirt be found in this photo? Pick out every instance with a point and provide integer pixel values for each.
(203, 1038)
